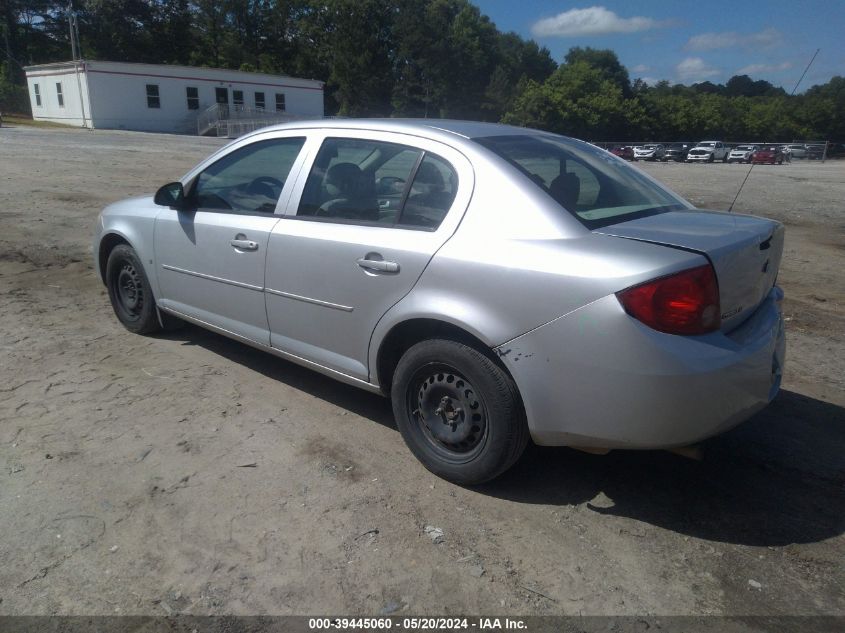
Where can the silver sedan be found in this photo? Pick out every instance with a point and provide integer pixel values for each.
(499, 284)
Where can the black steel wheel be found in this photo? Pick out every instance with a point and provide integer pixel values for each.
(450, 413)
(130, 292)
(458, 411)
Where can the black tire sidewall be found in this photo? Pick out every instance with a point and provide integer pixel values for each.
(147, 320)
(506, 428)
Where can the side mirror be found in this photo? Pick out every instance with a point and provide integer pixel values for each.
(171, 195)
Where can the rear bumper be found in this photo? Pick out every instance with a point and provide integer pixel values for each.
(599, 378)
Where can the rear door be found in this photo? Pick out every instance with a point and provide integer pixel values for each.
(211, 258)
(364, 221)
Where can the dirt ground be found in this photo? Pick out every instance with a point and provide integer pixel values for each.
(186, 473)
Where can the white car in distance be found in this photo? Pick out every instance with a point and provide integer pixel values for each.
(742, 154)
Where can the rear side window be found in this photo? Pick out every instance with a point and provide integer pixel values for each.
(250, 179)
(432, 193)
(371, 182)
(594, 186)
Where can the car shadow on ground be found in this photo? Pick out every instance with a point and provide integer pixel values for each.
(367, 405)
(775, 480)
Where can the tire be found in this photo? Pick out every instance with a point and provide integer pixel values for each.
(475, 447)
(130, 292)
(711, 158)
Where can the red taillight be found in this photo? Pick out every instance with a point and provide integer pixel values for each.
(684, 303)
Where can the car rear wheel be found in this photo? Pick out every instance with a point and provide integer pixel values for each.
(130, 292)
(458, 411)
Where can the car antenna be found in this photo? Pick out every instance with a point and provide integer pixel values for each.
(800, 79)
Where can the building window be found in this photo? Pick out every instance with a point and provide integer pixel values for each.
(280, 102)
(37, 94)
(59, 96)
(238, 98)
(153, 100)
(259, 100)
(193, 95)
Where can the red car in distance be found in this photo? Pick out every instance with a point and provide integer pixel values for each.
(626, 152)
(768, 154)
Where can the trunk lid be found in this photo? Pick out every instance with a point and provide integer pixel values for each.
(745, 252)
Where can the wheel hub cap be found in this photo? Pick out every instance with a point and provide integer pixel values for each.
(450, 411)
(129, 288)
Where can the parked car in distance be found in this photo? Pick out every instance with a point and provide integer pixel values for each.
(796, 150)
(676, 152)
(708, 152)
(771, 154)
(623, 151)
(497, 283)
(652, 151)
(815, 151)
(742, 154)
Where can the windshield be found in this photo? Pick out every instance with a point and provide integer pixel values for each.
(744, 148)
(596, 187)
(707, 144)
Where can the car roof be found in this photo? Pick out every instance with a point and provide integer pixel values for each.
(426, 127)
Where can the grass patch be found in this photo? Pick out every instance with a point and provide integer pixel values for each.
(21, 119)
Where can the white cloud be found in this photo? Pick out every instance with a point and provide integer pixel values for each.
(755, 69)
(731, 39)
(591, 21)
(695, 69)
(641, 68)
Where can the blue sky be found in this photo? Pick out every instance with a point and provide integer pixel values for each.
(688, 41)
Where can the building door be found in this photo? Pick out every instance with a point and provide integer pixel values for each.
(221, 96)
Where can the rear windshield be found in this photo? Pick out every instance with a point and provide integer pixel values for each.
(593, 185)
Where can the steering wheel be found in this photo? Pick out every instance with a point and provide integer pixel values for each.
(263, 185)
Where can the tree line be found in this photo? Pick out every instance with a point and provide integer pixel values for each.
(415, 58)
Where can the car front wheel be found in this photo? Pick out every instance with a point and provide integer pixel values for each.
(458, 411)
(130, 292)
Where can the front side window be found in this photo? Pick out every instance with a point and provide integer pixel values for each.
(280, 102)
(248, 180)
(153, 100)
(37, 89)
(60, 95)
(193, 96)
(372, 182)
(259, 100)
(594, 186)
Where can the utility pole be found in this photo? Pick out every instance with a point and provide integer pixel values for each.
(71, 18)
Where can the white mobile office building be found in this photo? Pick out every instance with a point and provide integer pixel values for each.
(160, 98)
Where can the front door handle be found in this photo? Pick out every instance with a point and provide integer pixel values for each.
(244, 245)
(379, 265)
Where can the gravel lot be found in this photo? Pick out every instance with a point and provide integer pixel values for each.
(187, 473)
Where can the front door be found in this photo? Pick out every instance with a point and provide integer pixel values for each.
(221, 96)
(371, 214)
(210, 259)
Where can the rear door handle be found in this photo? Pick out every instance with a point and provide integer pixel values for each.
(244, 245)
(378, 264)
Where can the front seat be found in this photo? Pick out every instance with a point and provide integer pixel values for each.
(566, 189)
(351, 195)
